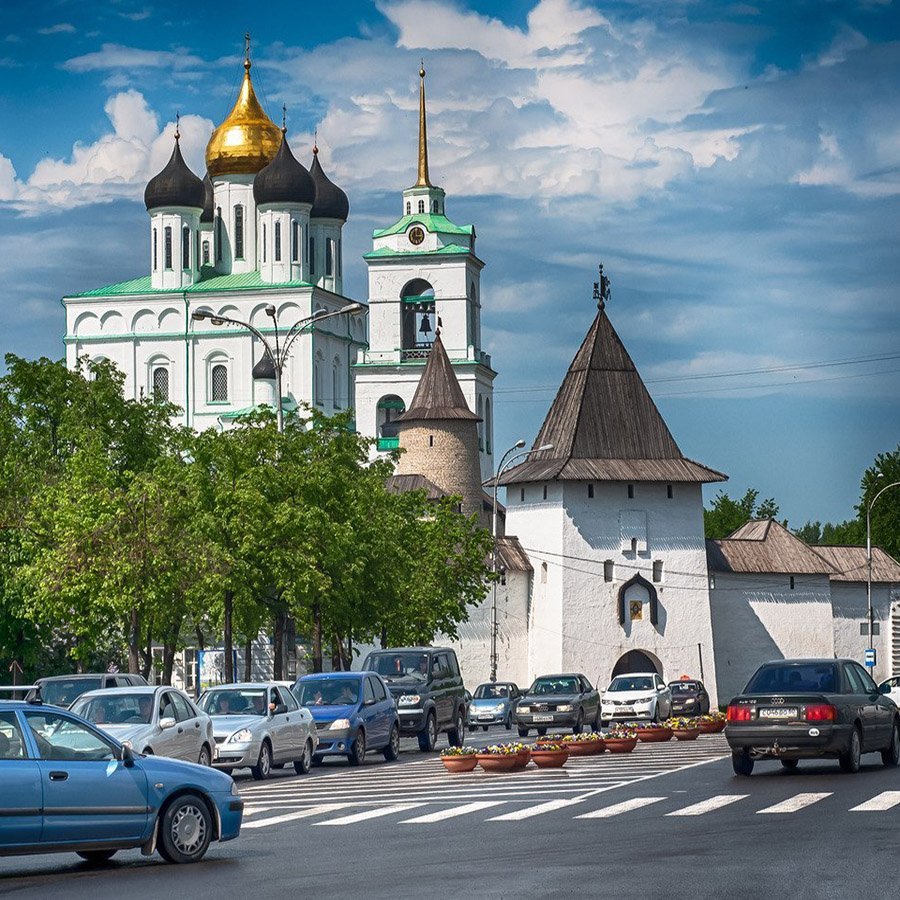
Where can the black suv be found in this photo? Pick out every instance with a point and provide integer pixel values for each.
(428, 690)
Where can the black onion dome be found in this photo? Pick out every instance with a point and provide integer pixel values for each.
(331, 201)
(209, 200)
(284, 180)
(264, 370)
(176, 185)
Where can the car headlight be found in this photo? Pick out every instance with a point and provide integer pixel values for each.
(565, 707)
(523, 709)
(409, 700)
(339, 724)
(241, 737)
(690, 701)
(649, 699)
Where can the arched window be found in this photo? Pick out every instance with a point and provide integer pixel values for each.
(239, 232)
(419, 319)
(329, 257)
(318, 380)
(336, 383)
(155, 248)
(160, 382)
(219, 383)
(264, 242)
(312, 255)
(277, 242)
(206, 253)
(421, 206)
(481, 423)
(295, 241)
(219, 236)
(488, 425)
(389, 408)
(185, 247)
(167, 247)
(408, 207)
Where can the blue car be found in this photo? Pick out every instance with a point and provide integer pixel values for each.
(354, 714)
(65, 786)
(494, 703)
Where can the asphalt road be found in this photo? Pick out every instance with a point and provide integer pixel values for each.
(667, 821)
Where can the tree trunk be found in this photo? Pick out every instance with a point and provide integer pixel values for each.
(168, 661)
(248, 661)
(228, 640)
(317, 637)
(384, 641)
(147, 654)
(200, 648)
(134, 642)
(278, 637)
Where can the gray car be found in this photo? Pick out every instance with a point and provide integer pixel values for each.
(260, 726)
(161, 721)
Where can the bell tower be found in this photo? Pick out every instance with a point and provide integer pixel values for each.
(423, 273)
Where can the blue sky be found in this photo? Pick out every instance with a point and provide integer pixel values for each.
(735, 166)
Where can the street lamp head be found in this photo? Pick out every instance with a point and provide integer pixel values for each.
(216, 320)
(544, 447)
(198, 315)
(519, 444)
(270, 310)
(353, 309)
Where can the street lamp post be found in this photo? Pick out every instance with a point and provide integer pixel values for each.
(505, 462)
(869, 505)
(279, 354)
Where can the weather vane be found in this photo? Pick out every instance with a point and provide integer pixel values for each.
(601, 290)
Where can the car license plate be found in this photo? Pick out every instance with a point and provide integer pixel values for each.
(778, 712)
(542, 718)
(626, 709)
(485, 717)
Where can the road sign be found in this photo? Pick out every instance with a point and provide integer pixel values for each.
(870, 658)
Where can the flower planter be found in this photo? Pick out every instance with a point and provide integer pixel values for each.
(686, 734)
(620, 745)
(654, 735)
(523, 757)
(549, 759)
(709, 727)
(460, 763)
(584, 748)
(496, 762)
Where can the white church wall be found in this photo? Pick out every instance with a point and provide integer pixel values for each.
(599, 529)
(229, 192)
(850, 610)
(758, 617)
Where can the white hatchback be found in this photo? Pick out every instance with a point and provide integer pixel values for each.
(639, 696)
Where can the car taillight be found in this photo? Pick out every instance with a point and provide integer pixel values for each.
(738, 714)
(821, 712)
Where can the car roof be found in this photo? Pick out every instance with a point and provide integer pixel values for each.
(812, 660)
(79, 676)
(246, 685)
(637, 675)
(131, 689)
(411, 650)
(319, 676)
(560, 675)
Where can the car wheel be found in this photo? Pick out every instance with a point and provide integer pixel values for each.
(541, 731)
(186, 830)
(850, 758)
(456, 736)
(508, 725)
(357, 754)
(742, 762)
(523, 732)
(578, 727)
(890, 756)
(392, 751)
(263, 768)
(484, 727)
(317, 761)
(97, 856)
(205, 758)
(304, 764)
(790, 763)
(428, 735)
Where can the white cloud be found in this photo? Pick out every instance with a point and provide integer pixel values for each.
(845, 42)
(59, 28)
(8, 185)
(118, 56)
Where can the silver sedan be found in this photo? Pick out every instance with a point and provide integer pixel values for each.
(260, 726)
(158, 720)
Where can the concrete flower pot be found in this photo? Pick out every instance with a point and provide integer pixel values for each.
(460, 763)
(686, 734)
(620, 745)
(549, 759)
(496, 762)
(655, 735)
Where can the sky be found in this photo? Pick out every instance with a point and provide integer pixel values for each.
(734, 166)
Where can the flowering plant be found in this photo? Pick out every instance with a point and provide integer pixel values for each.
(682, 723)
(574, 738)
(552, 746)
(459, 751)
(622, 733)
(500, 750)
(645, 726)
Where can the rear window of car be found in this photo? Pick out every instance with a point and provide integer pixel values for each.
(684, 687)
(555, 686)
(793, 679)
(64, 691)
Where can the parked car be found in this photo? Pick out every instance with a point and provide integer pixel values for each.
(161, 721)
(689, 697)
(64, 690)
(428, 689)
(558, 701)
(69, 787)
(795, 709)
(891, 688)
(259, 726)
(640, 696)
(493, 704)
(354, 715)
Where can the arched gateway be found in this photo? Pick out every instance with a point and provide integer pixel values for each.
(637, 661)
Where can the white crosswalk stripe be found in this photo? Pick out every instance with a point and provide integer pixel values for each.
(705, 806)
(452, 813)
(529, 812)
(879, 803)
(608, 812)
(301, 814)
(793, 804)
(371, 814)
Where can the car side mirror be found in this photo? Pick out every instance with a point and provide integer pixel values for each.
(884, 688)
(661, 688)
(370, 702)
(167, 722)
(127, 756)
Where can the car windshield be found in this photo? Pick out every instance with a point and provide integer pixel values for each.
(684, 687)
(116, 709)
(555, 686)
(631, 683)
(491, 692)
(328, 692)
(793, 679)
(64, 691)
(399, 665)
(235, 702)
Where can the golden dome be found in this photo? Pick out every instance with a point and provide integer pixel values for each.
(247, 140)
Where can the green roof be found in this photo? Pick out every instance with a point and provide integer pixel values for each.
(288, 405)
(449, 250)
(210, 280)
(429, 221)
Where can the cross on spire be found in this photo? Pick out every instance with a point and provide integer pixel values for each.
(601, 290)
(247, 50)
(177, 125)
(284, 118)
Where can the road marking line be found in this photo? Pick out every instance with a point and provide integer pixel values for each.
(705, 806)
(371, 814)
(879, 803)
(451, 813)
(618, 808)
(792, 804)
(531, 811)
(300, 814)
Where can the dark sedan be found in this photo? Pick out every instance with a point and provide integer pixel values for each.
(559, 701)
(689, 698)
(797, 709)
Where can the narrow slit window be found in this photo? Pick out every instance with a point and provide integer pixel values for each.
(277, 242)
(185, 248)
(522, 495)
(591, 491)
(670, 493)
(312, 255)
(264, 242)
(545, 491)
(430, 440)
(219, 234)
(329, 257)
(295, 241)
(155, 247)
(792, 582)
(206, 253)
(657, 570)
(167, 247)
(631, 492)
(608, 570)
(239, 232)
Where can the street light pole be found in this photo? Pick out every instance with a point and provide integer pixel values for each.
(505, 461)
(280, 352)
(870, 610)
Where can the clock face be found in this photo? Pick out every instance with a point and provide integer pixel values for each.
(416, 235)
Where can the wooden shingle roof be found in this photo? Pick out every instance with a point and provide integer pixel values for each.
(850, 564)
(604, 426)
(511, 557)
(438, 395)
(765, 546)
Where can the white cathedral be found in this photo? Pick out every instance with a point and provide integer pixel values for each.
(604, 566)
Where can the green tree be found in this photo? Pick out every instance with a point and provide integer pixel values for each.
(726, 515)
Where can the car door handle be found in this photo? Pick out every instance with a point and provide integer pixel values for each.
(59, 776)
(181, 731)
(196, 724)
